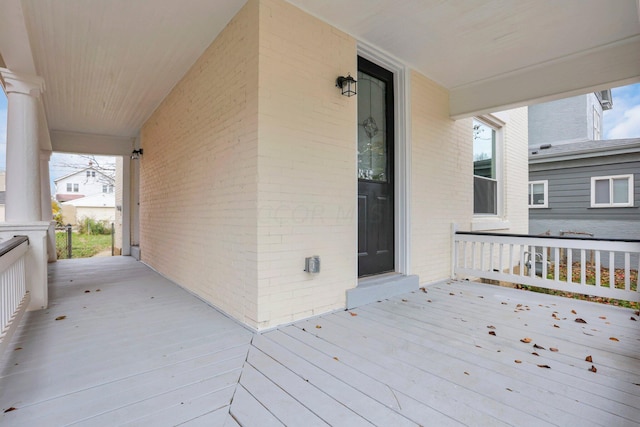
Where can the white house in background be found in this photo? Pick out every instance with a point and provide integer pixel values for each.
(86, 182)
(87, 193)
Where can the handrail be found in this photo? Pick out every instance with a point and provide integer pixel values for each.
(12, 243)
(584, 265)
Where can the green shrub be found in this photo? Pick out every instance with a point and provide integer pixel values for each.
(92, 226)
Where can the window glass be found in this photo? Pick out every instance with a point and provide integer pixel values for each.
(537, 194)
(484, 147)
(76, 188)
(602, 191)
(372, 128)
(69, 187)
(620, 190)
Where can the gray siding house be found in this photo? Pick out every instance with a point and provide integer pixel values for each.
(589, 188)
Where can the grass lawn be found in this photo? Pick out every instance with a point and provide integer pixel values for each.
(83, 245)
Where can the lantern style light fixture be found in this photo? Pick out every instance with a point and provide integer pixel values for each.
(136, 154)
(347, 84)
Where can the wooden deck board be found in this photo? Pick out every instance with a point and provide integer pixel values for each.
(142, 351)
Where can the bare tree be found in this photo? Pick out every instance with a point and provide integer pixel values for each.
(106, 166)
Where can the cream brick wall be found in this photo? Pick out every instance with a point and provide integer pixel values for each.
(307, 165)
(442, 177)
(198, 177)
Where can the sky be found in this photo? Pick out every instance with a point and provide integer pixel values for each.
(623, 121)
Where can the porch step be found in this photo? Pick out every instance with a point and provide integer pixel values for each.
(378, 288)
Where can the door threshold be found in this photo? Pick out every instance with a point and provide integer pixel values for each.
(380, 287)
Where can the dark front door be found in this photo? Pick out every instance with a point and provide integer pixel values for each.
(375, 169)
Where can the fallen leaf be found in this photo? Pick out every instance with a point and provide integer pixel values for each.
(508, 389)
(352, 313)
(478, 346)
(335, 358)
(518, 361)
(492, 333)
(602, 317)
(579, 320)
(451, 293)
(61, 317)
(10, 409)
(17, 348)
(638, 313)
(573, 311)
(556, 326)
(587, 333)
(318, 327)
(526, 340)
(87, 291)
(491, 327)
(466, 373)
(553, 349)
(593, 369)
(589, 359)
(423, 290)
(544, 366)
(538, 346)
(97, 290)
(614, 339)
(518, 305)
(405, 300)
(504, 303)
(633, 318)
(428, 300)
(535, 354)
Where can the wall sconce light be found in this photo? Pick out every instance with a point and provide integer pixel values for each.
(347, 84)
(136, 154)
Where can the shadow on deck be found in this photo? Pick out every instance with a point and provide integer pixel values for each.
(130, 347)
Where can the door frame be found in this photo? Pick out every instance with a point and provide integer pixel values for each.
(401, 155)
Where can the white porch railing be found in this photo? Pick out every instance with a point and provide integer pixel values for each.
(579, 265)
(14, 297)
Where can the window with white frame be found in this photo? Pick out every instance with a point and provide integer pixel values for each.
(76, 188)
(69, 187)
(486, 169)
(612, 191)
(597, 124)
(538, 194)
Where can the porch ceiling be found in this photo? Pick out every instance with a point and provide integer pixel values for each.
(108, 64)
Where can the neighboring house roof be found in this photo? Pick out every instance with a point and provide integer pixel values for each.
(67, 197)
(95, 201)
(583, 149)
(82, 171)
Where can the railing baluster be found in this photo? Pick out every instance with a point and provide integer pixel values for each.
(556, 270)
(482, 256)
(473, 255)
(491, 256)
(583, 267)
(500, 257)
(510, 258)
(598, 278)
(627, 271)
(545, 260)
(569, 265)
(612, 270)
(522, 251)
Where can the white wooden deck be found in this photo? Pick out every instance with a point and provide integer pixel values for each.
(144, 352)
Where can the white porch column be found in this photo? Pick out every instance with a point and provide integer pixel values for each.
(45, 202)
(23, 198)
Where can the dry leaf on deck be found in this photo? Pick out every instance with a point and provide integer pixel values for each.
(579, 320)
(633, 318)
(405, 300)
(556, 326)
(544, 366)
(87, 291)
(589, 359)
(602, 317)
(593, 369)
(335, 358)
(526, 340)
(491, 327)
(318, 327)
(423, 290)
(553, 349)
(574, 312)
(538, 346)
(10, 409)
(614, 339)
(352, 313)
(535, 354)
(61, 317)
(492, 333)
(466, 373)
(518, 361)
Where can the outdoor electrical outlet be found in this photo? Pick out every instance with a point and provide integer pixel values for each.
(312, 264)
